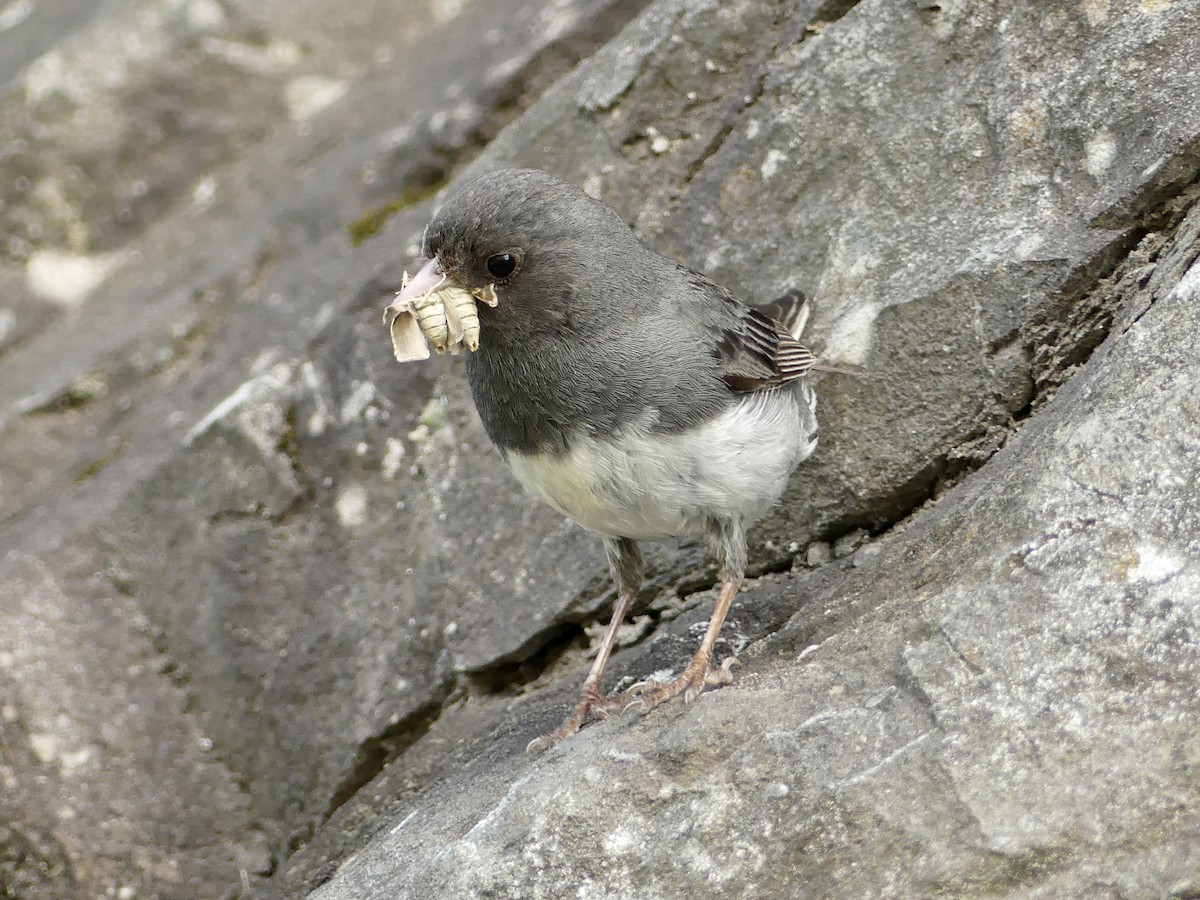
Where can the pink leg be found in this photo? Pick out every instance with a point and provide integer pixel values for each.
(699, 673)
(591, 697)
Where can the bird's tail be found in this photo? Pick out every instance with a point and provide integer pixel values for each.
(790, 310)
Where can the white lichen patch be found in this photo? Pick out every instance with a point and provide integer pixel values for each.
(72, 761)
(445, 10)
(1100, 151)
(770, 165)
(46, 76)
(8, 324)
(851, 337)
(49, 750)
(204, 192)
(622, 756)
(622, 841)
(393, 456)
(314, 383)
(310, 94)
(258, 392)
(1096, 11)
(356, 404)
(1029, 246)
(776, 790)
(277, 56)
(14, 13)
(1189, 285)
(659, 142)
(67, 279)
(433, 415)
(205, 15)
(593, 185)
(661, 676)
(1154, 566)
(44, 747)
(351, 506)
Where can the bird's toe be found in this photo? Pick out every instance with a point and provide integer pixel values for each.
(722, 674)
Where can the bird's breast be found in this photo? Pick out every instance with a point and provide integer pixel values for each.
(647, 485)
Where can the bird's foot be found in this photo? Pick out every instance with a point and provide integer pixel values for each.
(646, 695)
(590, 703)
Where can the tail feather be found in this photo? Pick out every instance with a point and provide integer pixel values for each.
(790, 310)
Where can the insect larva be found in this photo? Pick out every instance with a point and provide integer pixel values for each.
(446, 318)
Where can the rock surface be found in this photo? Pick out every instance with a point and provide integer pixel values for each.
(178, 211)
(1001, 700)
(253, 562)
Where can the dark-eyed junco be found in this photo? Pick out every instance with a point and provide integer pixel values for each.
(632, 394)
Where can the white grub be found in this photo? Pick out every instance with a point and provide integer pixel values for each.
(445, 318)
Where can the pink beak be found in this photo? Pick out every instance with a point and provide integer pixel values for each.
(428, 277)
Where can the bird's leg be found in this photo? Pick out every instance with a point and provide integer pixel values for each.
(700, 673)
(729, 546)
(591, 694)
(627, 566)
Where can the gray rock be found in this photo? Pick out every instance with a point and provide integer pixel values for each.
(178, 427)
(846, 544)
(99, 751)
(864, 555)
(818, 553)
(965, 330)
(1000, 703)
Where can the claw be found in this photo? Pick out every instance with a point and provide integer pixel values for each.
(723, 675)
(588, 701)
(642, 696)
(649, 694)
(556, 737)
(633, 696)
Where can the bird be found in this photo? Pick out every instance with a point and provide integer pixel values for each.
(632, 394)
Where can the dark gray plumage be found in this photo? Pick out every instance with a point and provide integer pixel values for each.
(634, 395)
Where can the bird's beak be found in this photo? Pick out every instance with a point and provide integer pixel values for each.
(432, 308)
(428, 278)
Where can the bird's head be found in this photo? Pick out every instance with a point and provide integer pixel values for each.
(529, 236)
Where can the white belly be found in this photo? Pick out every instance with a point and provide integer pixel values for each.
(650, 487)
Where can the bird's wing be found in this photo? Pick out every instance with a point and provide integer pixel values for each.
(754, 351)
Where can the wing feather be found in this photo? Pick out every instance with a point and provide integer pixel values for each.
(755, 352)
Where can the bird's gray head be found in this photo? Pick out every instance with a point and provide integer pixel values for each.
(591, 330)
(536, 239)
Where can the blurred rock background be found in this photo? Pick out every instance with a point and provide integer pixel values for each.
(274, 619)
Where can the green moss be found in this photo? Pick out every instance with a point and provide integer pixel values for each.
(368, 224)
(100, 463)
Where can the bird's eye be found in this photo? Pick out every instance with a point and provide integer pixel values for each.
(502, 265)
